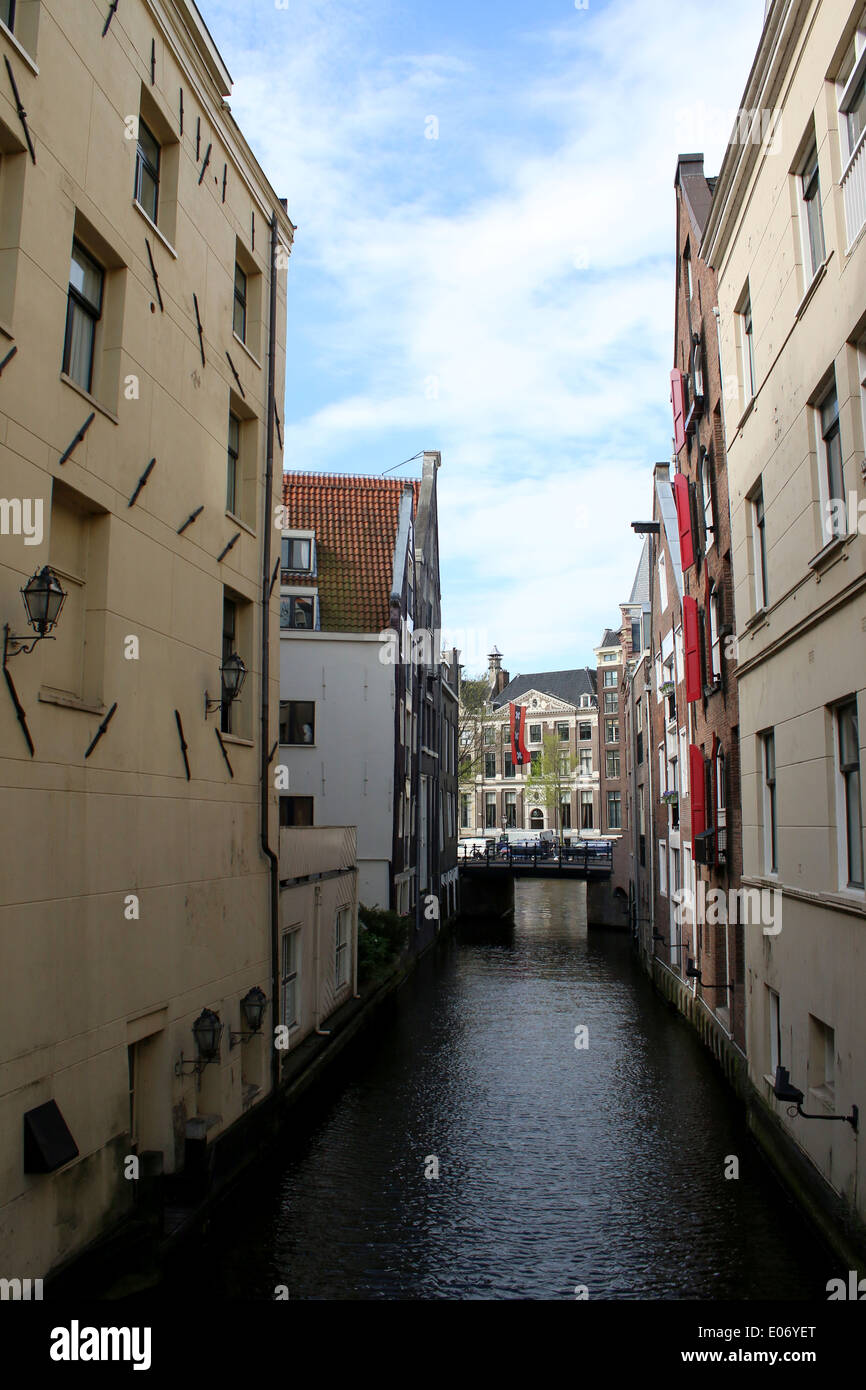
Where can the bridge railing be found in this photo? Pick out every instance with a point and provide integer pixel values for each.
(587, 855)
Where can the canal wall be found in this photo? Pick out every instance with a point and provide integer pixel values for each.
(834, 1220)
(168, 1209)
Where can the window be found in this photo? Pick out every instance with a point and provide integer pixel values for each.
(822, 1058)
(236, 715)
(687, 267)
(234, 450)
(585, 701)
(342, 951)
(83, 312)
(610, 678)
(509, 766)
(759, 547)
(489, 735)
(511, 810)
(611, 731)
(564, 764)
(74, 663)
(715, 638)
(298, 611)
(297, 721)
(536, 820)
(147, 171)
(586, 810)
(705, 494)
(848, 744)
(7, 14)
(290, 992)
(774, 1022)
(614, 810)
(663, 868)
(609, 656)
(611, 703)
(297, 554)
(465, 810)
(296, 810)
(851, 90)
(747, 346)
(830, 479)
(535, 733)
(239, 320)
(813, 222)
(585, 756)
(490, 810)
(611, 759)
(663, 583)
(489, 764)
(584, 732)
(562, 732)
(721, 806)
(635, 635)
(771, 853)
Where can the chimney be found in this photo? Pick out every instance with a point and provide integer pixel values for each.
(497, 677)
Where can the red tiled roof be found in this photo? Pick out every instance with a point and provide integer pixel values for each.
(355, 520)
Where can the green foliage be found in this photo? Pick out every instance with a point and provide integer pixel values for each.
(381, 937)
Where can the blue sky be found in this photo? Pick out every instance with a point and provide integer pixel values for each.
(502, 292)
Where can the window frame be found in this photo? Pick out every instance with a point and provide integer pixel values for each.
(831, 464)
(290, 742)
(759, 547)
(770, 801)
(290, 970)
(233, 454)
(240, 300)
(809, 191)
(93, 312)
(144, 164)
(848, 771)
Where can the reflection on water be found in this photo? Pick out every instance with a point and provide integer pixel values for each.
(558, 1166)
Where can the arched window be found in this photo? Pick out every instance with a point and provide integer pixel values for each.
(705, 493)
(715, 638)
(536, 820)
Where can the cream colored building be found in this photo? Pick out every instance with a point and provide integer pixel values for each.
(135, 291)
(787, 237)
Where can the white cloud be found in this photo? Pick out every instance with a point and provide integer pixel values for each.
(524, 260)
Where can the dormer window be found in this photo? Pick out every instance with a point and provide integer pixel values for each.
(298, 554)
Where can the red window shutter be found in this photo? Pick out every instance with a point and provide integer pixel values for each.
(697, 793)
(691, 648)
(684, 520)
(678, 399)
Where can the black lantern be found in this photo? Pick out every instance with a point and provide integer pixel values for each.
(785, 1090)
(253, 1007)
(43, 596)
(207, 1031)
(233, 673)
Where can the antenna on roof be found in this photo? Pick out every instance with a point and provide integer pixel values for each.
(405, 461)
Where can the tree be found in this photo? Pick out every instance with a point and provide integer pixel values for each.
(476, 714)
(549, 778)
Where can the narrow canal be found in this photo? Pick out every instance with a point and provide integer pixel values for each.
(558, 1166)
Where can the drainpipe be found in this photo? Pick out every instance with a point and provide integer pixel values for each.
(267, 848)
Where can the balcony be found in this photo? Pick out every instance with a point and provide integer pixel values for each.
(307, 850)
(854, 192)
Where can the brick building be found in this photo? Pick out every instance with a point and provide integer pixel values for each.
(704, 523)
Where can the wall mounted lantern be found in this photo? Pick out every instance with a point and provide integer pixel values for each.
(207, 1031)
(693, 974)
(783, 1090)
(233, 673)
(253, 1007)
(43, 597)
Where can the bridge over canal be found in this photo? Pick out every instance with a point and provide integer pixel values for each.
(487, 879)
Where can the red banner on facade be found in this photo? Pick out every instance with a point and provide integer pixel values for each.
(520, 755)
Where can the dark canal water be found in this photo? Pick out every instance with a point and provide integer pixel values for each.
(558, 1167)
